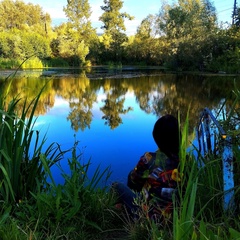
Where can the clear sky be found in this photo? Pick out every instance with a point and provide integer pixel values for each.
(137, 8)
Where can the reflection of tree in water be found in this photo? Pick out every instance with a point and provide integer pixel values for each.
(148, 89)
(173, 94)
(114, 104)
(193, 93)
(155, 94)
(26, 89)
(81, 111)
(144, 94)
(179, 94)
(183, 94)
(81, 99)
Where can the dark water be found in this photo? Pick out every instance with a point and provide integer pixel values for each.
(112, 118)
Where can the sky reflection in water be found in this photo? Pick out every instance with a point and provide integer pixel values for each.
(121, 147)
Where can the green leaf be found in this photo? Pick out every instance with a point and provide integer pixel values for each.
(234, 234)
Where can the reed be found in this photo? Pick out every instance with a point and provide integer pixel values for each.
(33, 206)
(184, 201)
(20, 169)
(199, 212)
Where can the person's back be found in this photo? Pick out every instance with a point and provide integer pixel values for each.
(156, 174)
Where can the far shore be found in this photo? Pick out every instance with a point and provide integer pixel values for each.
(102, 72)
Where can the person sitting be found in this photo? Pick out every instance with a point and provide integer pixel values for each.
(155, 177)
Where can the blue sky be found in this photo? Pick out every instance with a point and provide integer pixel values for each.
(137, 8)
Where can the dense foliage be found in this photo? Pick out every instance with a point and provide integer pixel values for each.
(182, 36)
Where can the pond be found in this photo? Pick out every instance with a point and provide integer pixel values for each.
(111, 113)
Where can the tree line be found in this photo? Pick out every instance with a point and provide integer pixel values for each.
(181, 36)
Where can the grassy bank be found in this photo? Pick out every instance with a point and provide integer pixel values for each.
(33, 206)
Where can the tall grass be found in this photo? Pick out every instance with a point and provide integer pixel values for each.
(198, 207)
(199, 211)
(33, 206)
(20, 169)
(78, 206)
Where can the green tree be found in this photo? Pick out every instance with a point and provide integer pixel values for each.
(147, 43)
(114, 27)
(27, 17)
(8, 14)
(69, 46)
(188, 26)
(78, 33)
(79, 13)
(148, 27)
(20, 45)
(25, 30)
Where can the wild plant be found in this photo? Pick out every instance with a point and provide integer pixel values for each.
(199, 212)
(77, 207)
(21, 168)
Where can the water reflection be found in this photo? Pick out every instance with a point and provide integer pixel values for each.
(113, 117)
(157, 95)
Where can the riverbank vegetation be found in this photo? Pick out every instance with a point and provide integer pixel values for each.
(33, 206)
(182, 36)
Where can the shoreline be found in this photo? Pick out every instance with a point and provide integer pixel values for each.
(125, 72)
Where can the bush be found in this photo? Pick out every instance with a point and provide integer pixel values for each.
(55, 62)
(6, 63)
(33, 62)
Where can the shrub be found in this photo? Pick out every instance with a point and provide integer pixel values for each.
(33, 62)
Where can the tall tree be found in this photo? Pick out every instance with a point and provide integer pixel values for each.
(190, 17)
(79, 13)
(114, 26)
(236, 21)
(148, 27)
(79, 30)
(189, 27)
(18, 15)
(112, 18)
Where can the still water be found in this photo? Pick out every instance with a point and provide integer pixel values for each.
(112, 116)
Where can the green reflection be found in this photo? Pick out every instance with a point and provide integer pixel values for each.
(164, 93)
(114, 103)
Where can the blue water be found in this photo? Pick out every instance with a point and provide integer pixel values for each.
(122, 146)
(119, 148)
